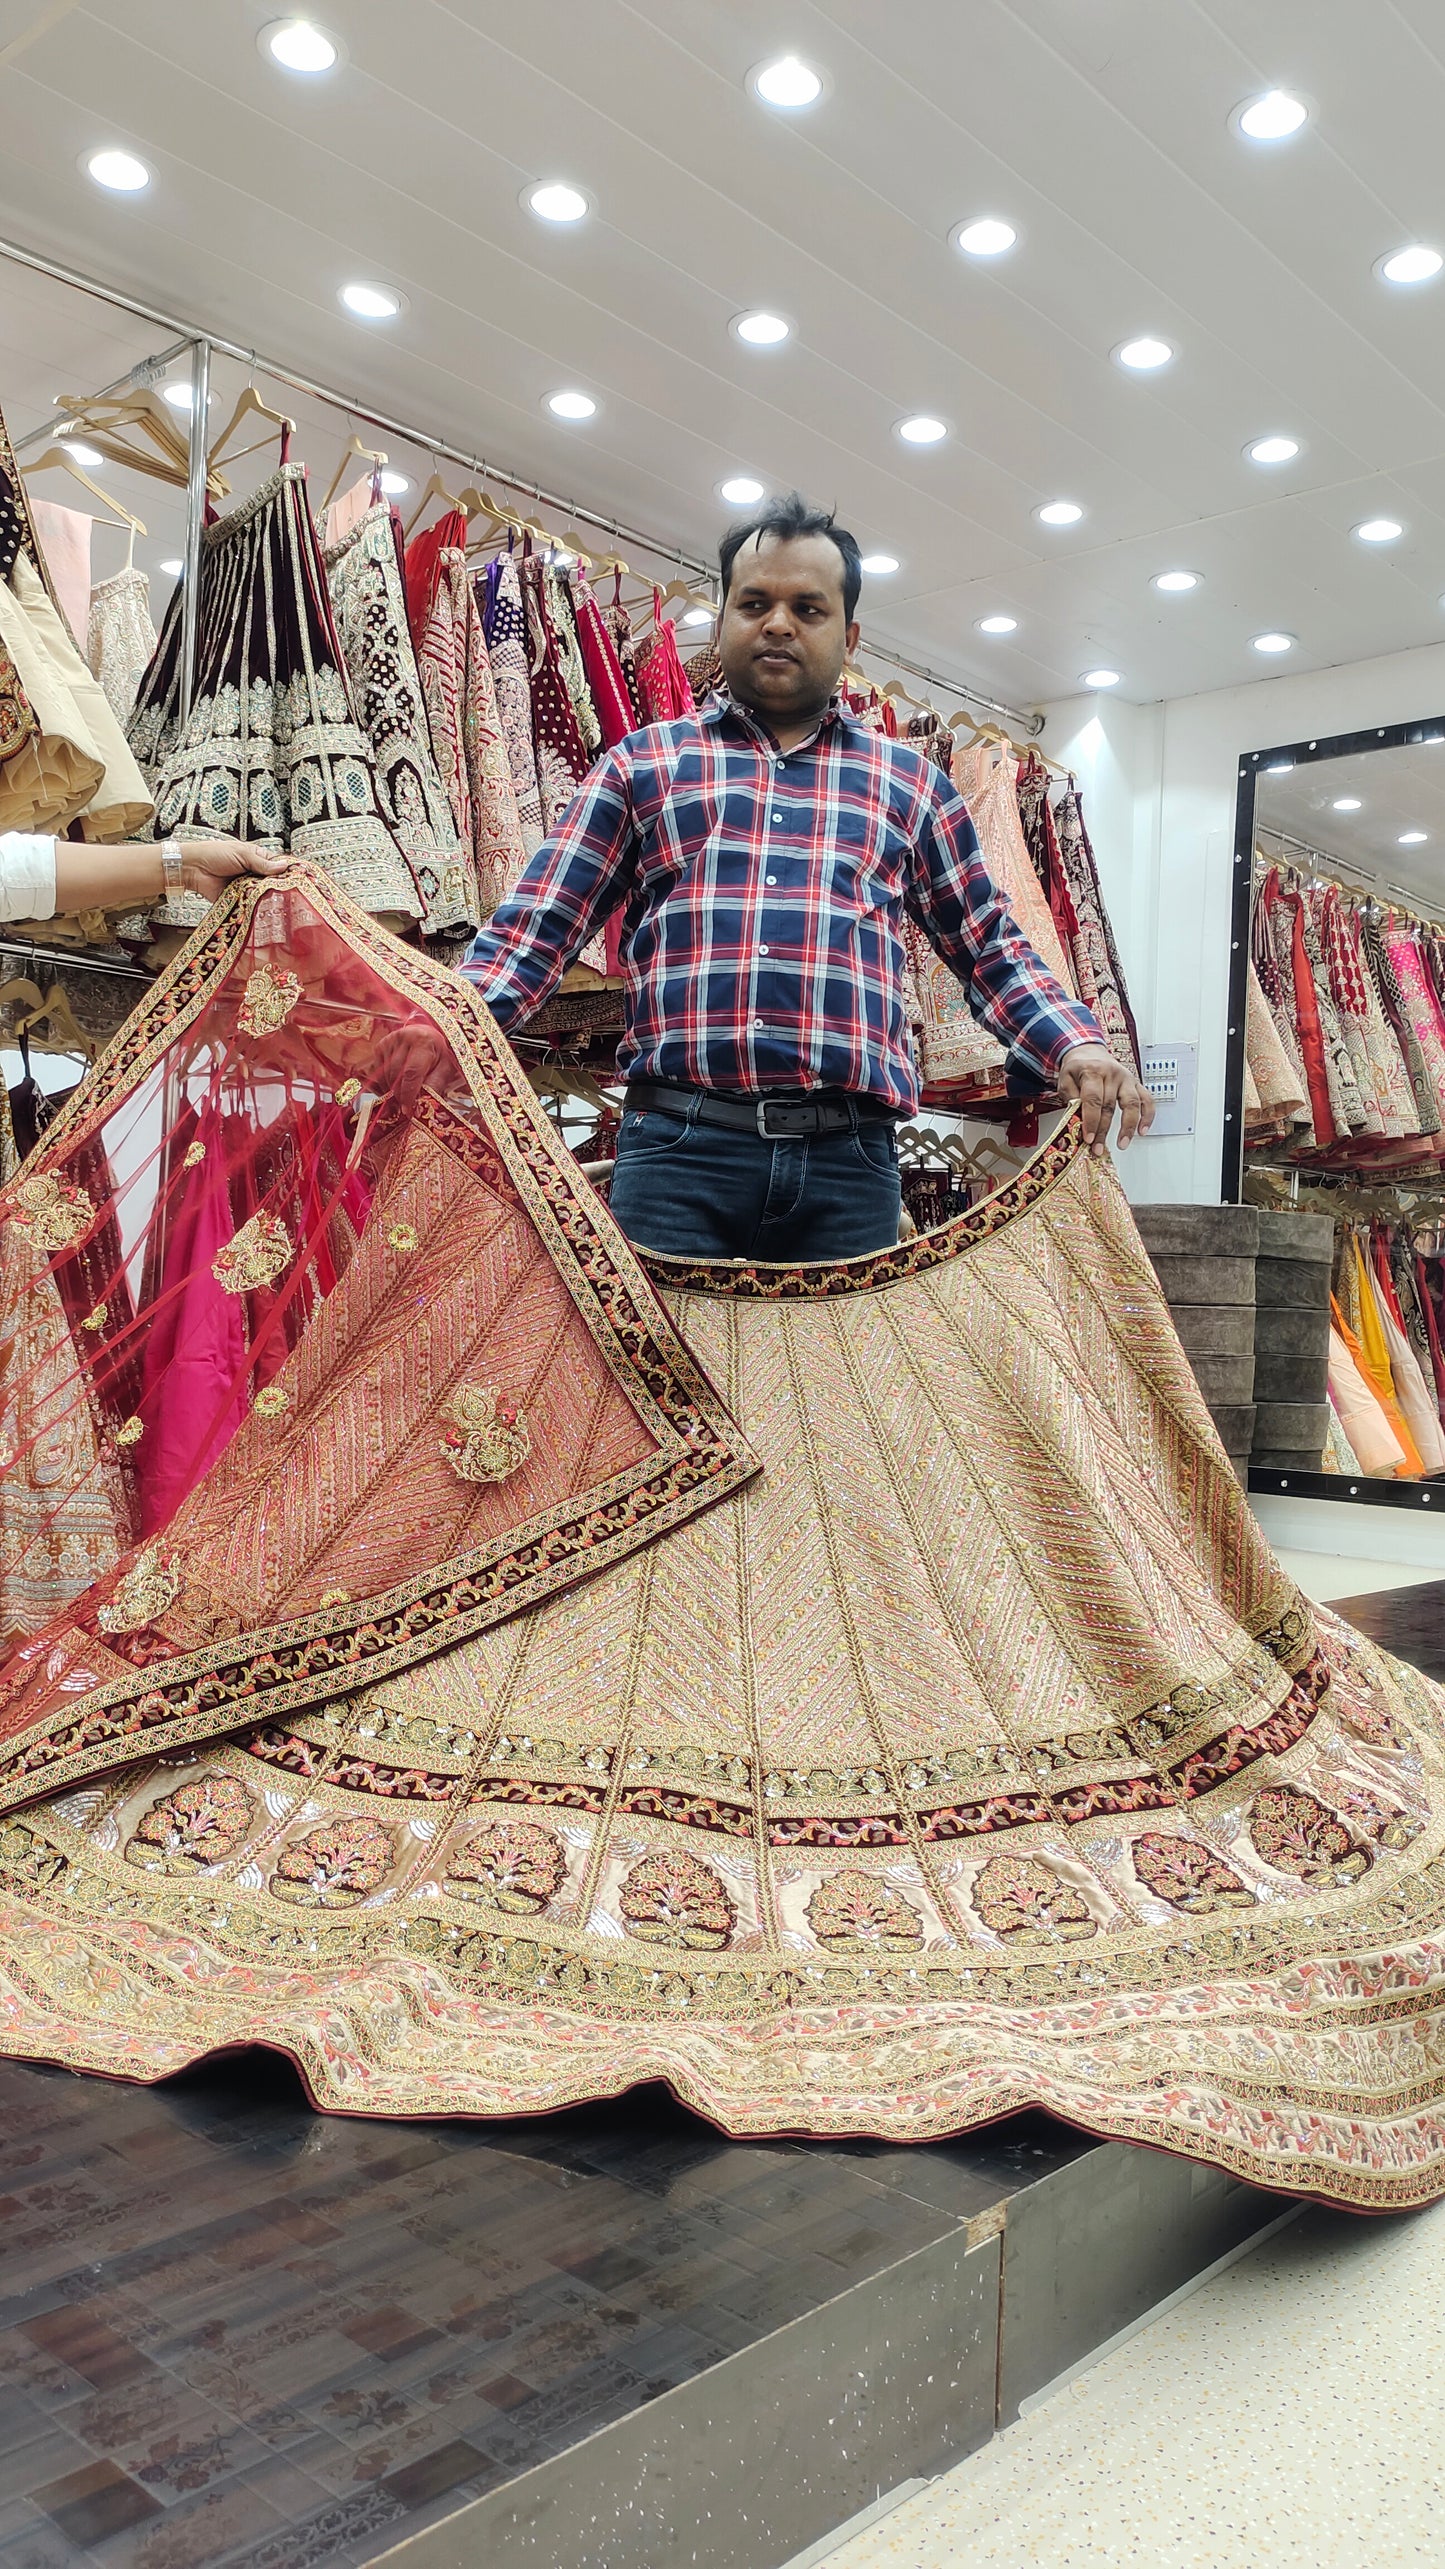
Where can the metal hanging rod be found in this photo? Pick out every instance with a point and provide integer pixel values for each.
(73, 959)
(189, 334)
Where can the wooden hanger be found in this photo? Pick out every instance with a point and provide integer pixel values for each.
(436, 489)
(114, 420)
(250, 406)
(371, 455)
(56, 455)
(66, 1034)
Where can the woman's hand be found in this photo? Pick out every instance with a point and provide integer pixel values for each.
(208, 864)
(1090, 1077)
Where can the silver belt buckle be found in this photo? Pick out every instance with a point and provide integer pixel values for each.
(760, 1118)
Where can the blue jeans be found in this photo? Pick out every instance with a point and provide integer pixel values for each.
(692, 1190)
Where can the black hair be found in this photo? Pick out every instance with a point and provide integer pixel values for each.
(785, 519)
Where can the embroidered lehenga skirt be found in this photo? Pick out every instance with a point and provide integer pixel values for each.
(859, 1697)
(272, 749)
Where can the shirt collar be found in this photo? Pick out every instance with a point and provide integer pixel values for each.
(721, 703)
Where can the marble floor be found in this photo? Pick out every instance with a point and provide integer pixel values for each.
(1290, 2414)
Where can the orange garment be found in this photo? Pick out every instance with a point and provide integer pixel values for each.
(1372, 1356)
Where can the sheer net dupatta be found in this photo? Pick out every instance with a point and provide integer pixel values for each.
(317, 1327)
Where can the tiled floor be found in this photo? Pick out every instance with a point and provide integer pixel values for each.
(234, 2331)
(1291, 2413)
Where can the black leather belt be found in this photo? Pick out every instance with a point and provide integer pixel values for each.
(774, 1119)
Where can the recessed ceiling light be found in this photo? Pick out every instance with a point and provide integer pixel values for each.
(89, 456)
(998, 624)
(1413, 266)
(922, 430)
(1144, 356)
(740, 491)
(119, 171)
(1175, 582)
(173, 568)
(761, 329)
(1270, 118)
(1412, 838)
(393, 485)
(571, 405)
(786, 82)
(699, 615)
(1345, 803)
(1059, 513)
(880, 564)
(1273, 450)
(299, 46)
(371, 302)
(554, 201)
(1274, 642)
(1379, 530)
(1100, 678)
(1281, 767)
(987, 238)
(179, 394)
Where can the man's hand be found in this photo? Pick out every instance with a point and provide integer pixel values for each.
(1090, 1077)
(207, 864)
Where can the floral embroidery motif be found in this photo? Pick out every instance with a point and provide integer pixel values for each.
(201, 1823)
(194, 1156)
(272, 1401)
(267, 1000)
(487, 1436)
(256, 1255)
(52, 1212)
(1190, 1876)
(335, 1866)
(1015, 1893)
(678, 1900)
(130, 1431)
(349, 1089)
(510, 1864)
(402, 1235)
(148, 1587)
(1296, 1834)
(854, 1909)
(1378, 1820)
(334, 1597)
(96, 1319)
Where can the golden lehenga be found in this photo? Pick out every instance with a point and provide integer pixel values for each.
(859, 1697)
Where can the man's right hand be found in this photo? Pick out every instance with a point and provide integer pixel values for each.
(1091, 1078)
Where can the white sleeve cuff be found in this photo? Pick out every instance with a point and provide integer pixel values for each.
(27, 876)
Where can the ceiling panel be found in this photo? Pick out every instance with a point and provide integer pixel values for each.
(1102, 132)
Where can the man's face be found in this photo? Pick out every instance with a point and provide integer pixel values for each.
(783, 635)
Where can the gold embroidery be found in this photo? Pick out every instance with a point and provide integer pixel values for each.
(487, 1438)
(349, 1089)
(52, 1212)
(96, 1319)
(256, 1256)
(131, 1432)
(194, 1156)
(149, 1586)
(271, 1402)
(334, 1597)
(402, 1235)
(268, 1000)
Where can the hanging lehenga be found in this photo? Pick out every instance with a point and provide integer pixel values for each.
(857, 1696)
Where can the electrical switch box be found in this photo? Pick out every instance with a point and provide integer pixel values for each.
(1170, 1075)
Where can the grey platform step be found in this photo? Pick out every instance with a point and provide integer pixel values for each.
(1195, 1279)
(1308, 1236)
(1216, 1328)
(1225, 1380)
(1301, 1284)
(1300, 1426)
(1291, 1329)
(1292, 1378)
(1199, 1230)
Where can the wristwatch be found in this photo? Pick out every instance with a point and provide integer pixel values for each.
(171, 861)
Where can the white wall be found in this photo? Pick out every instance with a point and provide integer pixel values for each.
(1159, 791)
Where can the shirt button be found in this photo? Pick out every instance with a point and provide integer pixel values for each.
(770, 878)
(762, 949)
(757, 1025)
(777, 816)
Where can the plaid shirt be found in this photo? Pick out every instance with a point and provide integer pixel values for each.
(762, 942)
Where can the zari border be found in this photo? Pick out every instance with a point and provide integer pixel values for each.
(285, 1667)
(759, 1282)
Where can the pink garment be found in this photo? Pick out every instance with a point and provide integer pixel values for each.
(605, 680)
(64, 535)
(661, 677)
(1422, 1008)
(953, 1044)
(194, 1391)
(349, 510)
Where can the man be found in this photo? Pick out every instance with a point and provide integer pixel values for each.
(767, 848)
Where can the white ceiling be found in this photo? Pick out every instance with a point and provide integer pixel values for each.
(1396, 790)
(1099, 128)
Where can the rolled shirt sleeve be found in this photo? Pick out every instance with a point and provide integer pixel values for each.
(967, 920)
(27, 876)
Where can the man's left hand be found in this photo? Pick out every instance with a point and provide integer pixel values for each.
(1091, 1078)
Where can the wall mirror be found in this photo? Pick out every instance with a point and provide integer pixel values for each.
(1335, 1080)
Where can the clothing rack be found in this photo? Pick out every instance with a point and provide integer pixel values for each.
(204, 344)
(73, 959)
(1344, 873)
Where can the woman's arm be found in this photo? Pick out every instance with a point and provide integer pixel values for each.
(78, 876)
